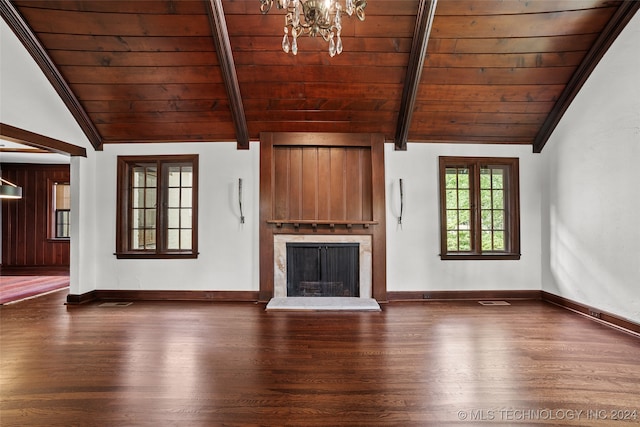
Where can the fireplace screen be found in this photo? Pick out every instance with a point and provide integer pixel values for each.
(323, 269)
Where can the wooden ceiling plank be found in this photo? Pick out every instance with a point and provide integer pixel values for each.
(498, 76)
(134, 59)
(563, 43)
(505, 60)
(141, 75)
(20, 28)
(182, 7)
(133, 92)
(516, 7)
(113, 43)
(616, 24)
(115, 23)
(155, 106)
(424, 21)
(524, 25)
(225, 55)
(32, 139)
(463, 107)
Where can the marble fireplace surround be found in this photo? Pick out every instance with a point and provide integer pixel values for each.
(280, 258)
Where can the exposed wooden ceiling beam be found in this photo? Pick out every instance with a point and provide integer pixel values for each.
(617, 22)
(31, 139)
(424, 20)
(228, 68)
(39, 54)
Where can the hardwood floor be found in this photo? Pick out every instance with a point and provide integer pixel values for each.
(16, 288)
(413, 364)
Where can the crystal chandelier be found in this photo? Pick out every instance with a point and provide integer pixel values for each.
(314, 17)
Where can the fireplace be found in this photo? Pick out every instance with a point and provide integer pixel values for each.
(323, 269)
(356, 249)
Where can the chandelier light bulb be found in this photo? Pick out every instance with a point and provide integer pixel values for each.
(314, 17)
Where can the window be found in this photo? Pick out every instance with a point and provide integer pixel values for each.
(60, 210)
(479, 208)
(157, 207)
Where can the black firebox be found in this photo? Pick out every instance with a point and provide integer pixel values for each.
(323, 269)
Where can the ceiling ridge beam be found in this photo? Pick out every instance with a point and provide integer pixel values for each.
(606, 38)
(424, 21)
(20, 28)
(225, 57)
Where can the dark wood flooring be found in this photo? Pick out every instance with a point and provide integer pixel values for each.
(214, 364)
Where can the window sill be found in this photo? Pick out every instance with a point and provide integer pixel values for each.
(471, 257)
(152, 255)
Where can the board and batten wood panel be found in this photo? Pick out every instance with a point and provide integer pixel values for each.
(25, 226)
(301, 175)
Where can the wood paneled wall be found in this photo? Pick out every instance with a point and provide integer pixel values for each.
(25, 222)
(322, 183)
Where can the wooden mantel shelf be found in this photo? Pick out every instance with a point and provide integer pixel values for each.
(315, 223)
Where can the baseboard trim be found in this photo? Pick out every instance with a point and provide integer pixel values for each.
(593, 313)
(462, 295)
(34, 270)
(137, 295)
(77, 299)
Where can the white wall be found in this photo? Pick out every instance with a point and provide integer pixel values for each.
(228, 250)
(413, 261)
(28, 101)
(591, 195)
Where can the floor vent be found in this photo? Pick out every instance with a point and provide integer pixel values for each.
(115, 304)
(493, 303)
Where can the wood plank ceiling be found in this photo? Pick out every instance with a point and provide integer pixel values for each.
(213, 70)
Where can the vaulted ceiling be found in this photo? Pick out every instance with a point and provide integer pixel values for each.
(459, 71)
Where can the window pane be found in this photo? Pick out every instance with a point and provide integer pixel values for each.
(174, 176)
(485, 178)
(152, 177)
(498, 199)
(137, 239)
(452, 219)
(138, 177)
(174, 197)
(187, 176)
(185, 218)
(185, 239)
(185, 200)
(486, 219)
(464, 201)
(465, 241)
(498, 178)
(174, 218)
(150, 239)
(452, 199)
(485, 199)
(138, 198)
(137, 216)
(463, 178)
(150, 198)
(498, 220)
(150, 218)
(498, 241)
(487, 240)
(173, 239)
(464, 220)
(451, 178)
(452, 240)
